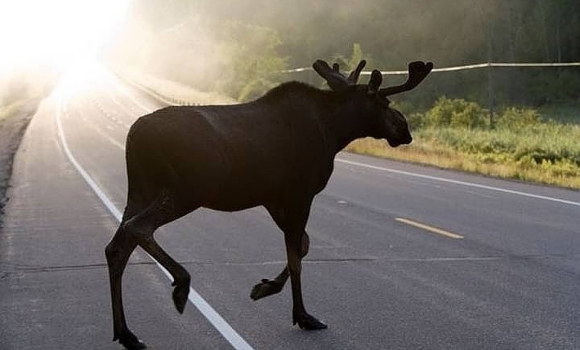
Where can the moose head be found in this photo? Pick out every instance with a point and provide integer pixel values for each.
(381, 121)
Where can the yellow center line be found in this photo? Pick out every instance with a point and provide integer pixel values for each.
(430, 228)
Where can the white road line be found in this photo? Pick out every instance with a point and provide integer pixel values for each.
(210, 314)
(456, 182)
(115, 81)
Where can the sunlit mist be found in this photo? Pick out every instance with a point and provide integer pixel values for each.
(55, 33)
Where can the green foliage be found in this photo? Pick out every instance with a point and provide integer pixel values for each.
(545, 151)
(460, 113)
(349, 64)
(255, 63)
(455, 113)
(531, 144)
(517, 118)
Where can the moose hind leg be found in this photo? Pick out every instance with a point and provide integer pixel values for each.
(181, 278)
(268, 287)
(143, 226)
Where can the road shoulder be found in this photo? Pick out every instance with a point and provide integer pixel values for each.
(11, 132)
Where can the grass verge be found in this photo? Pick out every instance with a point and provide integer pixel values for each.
(544, 154)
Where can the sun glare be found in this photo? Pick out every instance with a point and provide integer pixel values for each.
(58, 32)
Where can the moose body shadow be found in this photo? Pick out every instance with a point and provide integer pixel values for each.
(277, 152)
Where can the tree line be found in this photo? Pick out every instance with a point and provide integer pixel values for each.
(241, 48)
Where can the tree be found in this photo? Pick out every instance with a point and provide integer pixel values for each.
(253, 64)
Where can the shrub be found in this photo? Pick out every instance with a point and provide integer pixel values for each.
(455, 113)
(516, 118)
(416, 120)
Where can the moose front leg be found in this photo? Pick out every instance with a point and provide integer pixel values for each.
(268, 287)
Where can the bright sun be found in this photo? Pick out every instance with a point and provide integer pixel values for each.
(55, 32)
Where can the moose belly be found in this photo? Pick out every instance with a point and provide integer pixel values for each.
(238, 194)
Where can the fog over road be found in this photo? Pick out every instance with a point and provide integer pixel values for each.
(402, 256)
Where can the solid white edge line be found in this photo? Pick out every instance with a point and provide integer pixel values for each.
(208, 312)
(115, 81)
(457, 182)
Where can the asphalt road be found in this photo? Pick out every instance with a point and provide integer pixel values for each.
(402, 256)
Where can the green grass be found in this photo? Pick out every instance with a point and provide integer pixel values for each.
(11, 109)
(525, 144)
(547, 153)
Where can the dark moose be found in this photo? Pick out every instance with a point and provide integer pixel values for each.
(277, 151)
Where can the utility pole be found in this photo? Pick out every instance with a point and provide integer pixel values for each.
(487, 32)
(490, 96)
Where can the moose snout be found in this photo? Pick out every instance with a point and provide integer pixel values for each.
(403, 140)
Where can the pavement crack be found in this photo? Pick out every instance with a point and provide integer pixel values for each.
(7, 269)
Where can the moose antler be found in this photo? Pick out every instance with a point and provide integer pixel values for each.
(335, 79)
(353, 77)
(418, 70)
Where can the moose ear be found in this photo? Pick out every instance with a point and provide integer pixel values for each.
(375, 82)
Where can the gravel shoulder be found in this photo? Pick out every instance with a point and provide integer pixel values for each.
(12, 129)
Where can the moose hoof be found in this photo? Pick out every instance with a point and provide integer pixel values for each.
(310, 323)
(131, 342)
(180, 294)
(265, 288)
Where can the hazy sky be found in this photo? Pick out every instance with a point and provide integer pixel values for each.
(55, 32)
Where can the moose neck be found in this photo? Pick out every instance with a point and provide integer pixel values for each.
(343, 120)
(338, 117)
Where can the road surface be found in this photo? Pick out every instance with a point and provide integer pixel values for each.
(402, 256)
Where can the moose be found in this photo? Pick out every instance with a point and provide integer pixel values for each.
(277, 151)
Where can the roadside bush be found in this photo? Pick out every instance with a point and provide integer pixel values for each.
(416, 120)
(517, 118)
(455, 113)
